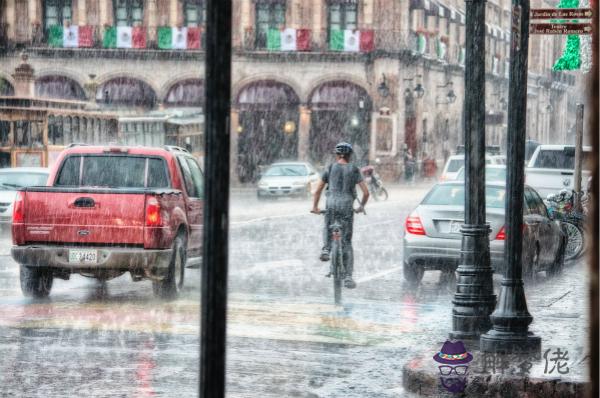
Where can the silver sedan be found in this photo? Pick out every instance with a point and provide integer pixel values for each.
(432, 239)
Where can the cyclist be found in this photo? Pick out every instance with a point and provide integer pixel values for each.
(341, 178)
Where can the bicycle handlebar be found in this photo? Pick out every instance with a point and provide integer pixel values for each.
(364, 212)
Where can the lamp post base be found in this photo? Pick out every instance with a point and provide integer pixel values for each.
(510, 343)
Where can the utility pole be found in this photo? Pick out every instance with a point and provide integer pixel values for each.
(578, 155)
(216, 202)
(474, 299)
(511, 318)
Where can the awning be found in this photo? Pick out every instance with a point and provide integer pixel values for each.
(419, 4)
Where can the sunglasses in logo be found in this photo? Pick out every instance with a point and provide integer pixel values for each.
(459, 370)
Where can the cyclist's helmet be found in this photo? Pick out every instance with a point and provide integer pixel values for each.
(343, 148)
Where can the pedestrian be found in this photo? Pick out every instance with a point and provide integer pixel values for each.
(341, 179)
(409, 166)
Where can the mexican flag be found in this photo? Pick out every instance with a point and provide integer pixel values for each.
(70, 36)
(124, 37)
(288, 39)
(421, 43)
(172, 38)
(351, 40)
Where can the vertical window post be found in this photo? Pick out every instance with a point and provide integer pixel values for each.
(216, 203)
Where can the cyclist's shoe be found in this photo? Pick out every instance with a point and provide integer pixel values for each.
(324, 255)
(349, 282)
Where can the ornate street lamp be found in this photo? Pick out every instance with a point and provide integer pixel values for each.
(474, 299)
(383, 89)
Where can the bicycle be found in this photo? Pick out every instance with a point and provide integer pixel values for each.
(336, 257)
(560, 207)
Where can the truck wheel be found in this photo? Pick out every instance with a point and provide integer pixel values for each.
(172, 284)
(35, 281)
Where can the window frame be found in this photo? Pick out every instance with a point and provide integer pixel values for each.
(343, 10)
(60, 7)
(129, 11)
(201, 7)
(260, 39)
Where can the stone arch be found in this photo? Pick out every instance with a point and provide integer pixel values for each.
(345, 77)
(237, 87)
(268, 120)
(185, 93)
(166, 85)
(6, 87)
(59, 86)
(340, 111)
(126, 91)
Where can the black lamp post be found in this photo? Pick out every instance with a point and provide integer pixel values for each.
(511, 318)
(474, 299)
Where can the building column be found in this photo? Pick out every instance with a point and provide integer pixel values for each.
(234, 123)
(81, 13)
(10, 19)
(103, 13)
(173, 13)
(152, 11)
(316, 23)
(304, 133)
(24, 79)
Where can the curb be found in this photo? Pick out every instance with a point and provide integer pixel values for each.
(421, 376)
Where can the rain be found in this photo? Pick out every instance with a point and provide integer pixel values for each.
(353, 138)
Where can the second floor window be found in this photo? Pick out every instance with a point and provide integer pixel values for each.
(194, 13)
(342, 15)
(269, 15)
(129, 12)
(57, 12)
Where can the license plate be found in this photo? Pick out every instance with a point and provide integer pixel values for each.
(455, 227)
(83, 256)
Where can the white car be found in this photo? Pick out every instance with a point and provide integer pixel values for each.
(551, 168)
(11, 179)
(281, 179)
(457, 162)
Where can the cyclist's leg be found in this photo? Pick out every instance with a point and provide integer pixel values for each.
(347, 221)
(326, 249)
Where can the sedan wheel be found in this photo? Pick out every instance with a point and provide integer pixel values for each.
(413, 273)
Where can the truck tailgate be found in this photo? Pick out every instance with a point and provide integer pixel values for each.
(84, 217)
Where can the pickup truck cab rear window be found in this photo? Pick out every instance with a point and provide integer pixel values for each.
(99, 171)
(557, 159)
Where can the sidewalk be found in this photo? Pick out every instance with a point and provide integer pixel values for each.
(559, 370)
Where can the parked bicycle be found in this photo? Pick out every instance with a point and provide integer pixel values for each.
(337, 268)
(374, 183)
(561, 207)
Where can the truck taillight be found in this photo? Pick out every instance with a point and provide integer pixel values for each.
(19, 208)
(413, 225)
(153, 213)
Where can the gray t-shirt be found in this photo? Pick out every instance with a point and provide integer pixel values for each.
(341, 180)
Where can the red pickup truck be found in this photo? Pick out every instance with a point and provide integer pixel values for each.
(109, 210)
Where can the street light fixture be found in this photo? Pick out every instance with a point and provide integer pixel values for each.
(418, 91)
(383, 89)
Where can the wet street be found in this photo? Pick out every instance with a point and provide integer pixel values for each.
(285, 336)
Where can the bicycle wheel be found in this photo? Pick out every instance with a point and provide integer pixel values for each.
(336, 267)
(574, 241)
(381, 193)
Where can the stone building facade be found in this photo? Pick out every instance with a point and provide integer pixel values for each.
(401, 89)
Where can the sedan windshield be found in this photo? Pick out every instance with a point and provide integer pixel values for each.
(454, 195)
(286, 170)
(10, 181)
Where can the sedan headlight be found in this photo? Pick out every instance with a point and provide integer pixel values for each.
(262, 184)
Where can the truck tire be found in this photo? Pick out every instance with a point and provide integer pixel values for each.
(172, 284)
(35, 281)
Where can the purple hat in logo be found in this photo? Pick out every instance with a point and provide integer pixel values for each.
(453, 354)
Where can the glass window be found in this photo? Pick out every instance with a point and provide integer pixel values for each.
(129, 12)
(69, 172)
(454, 195)
(556, 159)
(194, 13)
(157, 174)
(98, 171)
(269, 15)
(197, 176)
(57, 12)
(342, 16)
(188, 181)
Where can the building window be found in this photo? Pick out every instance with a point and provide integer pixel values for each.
(129, 12)
(57, 12)
(342, 16)
(194, 13)
(269, 15)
